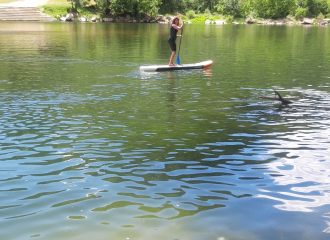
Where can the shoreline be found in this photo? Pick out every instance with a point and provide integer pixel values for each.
(74, 17)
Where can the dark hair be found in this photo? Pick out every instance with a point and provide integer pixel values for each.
(173, 21)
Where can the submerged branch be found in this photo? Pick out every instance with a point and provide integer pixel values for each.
(277, 97)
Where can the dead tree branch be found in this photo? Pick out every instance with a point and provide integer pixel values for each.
(277, 97)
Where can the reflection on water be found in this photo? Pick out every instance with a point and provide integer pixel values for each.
(207, 72)
(304, 155)
(90, 147)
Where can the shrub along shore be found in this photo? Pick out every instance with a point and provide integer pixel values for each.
(86, 15)
(195, 11)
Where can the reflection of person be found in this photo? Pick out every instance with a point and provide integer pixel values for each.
(173, 35)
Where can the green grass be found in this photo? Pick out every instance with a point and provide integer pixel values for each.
(60, 8)
(201, 18)
(55, 11)
(55, 8)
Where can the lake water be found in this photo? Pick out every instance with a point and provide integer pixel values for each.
(92, 148)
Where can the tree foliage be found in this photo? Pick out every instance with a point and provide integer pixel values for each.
(135, 7)
(314, 7)
(228, 8)
(76, 3)
(231, 7)
(273, 8)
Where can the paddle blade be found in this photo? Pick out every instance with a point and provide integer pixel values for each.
(178, 60)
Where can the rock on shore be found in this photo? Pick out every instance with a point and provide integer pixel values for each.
(121, 19)
(165, 20)
(301, 20)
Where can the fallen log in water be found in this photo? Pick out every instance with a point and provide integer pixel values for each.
(277, 97)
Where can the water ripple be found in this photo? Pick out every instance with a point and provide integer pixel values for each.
(91, 147)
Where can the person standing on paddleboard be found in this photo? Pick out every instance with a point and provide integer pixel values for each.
(173, 35)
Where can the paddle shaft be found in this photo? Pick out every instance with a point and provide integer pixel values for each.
(178, 58)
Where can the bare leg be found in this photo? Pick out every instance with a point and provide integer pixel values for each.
(171, 59)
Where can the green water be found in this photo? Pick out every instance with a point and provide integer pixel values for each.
(92, 148)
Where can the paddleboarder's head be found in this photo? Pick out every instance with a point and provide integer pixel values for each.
(175, 21)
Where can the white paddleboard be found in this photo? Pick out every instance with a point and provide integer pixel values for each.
(159, 68)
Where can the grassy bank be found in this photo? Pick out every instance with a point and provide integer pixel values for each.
(201, 18)
(55, 10)
(58, 11)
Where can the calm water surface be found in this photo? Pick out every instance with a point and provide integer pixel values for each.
(91, 148)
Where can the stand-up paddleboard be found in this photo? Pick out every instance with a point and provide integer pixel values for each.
(159, 68)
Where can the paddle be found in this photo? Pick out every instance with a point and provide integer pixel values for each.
(178, 57)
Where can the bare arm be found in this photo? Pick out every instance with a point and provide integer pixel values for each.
(180, 29)
(177, 27)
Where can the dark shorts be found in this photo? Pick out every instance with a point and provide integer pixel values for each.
(172, 45)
